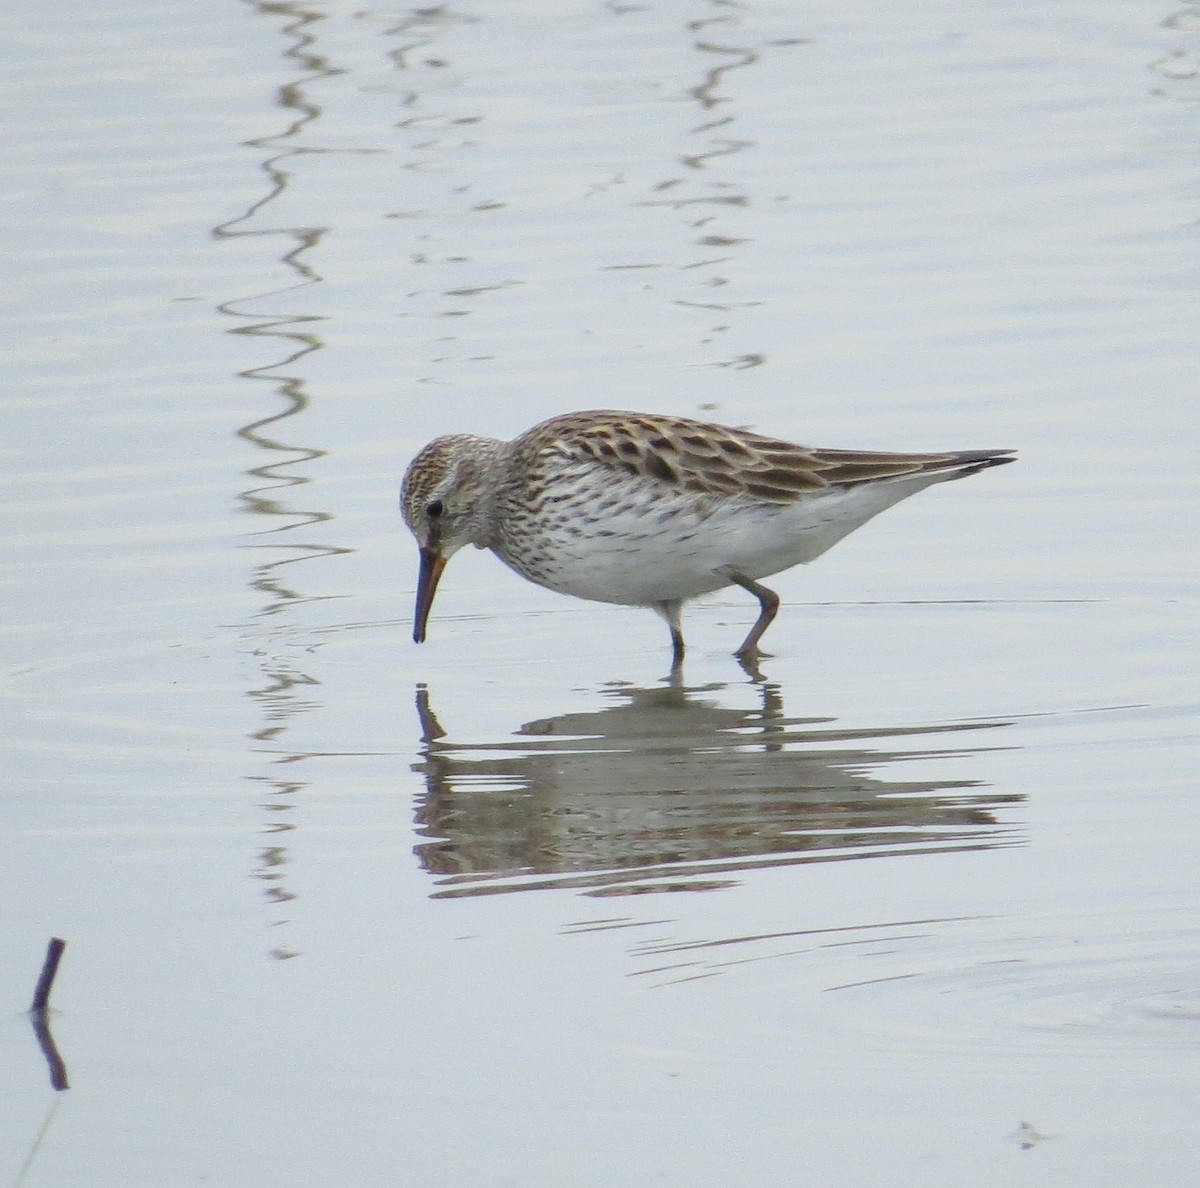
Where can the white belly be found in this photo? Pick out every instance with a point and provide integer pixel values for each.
(627, 542)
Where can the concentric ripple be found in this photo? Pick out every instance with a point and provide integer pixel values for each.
(1121, 980)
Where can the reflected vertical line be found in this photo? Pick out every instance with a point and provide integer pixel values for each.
(709, 93)
(707, 194)
(275, 481)
(294, 332)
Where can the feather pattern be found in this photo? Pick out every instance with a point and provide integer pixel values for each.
(716, 460)
(648, 510)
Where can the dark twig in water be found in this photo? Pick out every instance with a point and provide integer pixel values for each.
(40, 1011)
(41, 996)
(55, 1063)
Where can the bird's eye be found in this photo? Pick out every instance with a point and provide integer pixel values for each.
(435, 509)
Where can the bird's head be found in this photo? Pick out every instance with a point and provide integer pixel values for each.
(441, 504)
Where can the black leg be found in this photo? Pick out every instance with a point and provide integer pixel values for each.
(677, 649)
(677, 645)
(671, 611)
(767, 599)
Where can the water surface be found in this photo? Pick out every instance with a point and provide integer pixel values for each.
(917, 899)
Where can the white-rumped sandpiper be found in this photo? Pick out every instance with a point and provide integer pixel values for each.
(647, 510)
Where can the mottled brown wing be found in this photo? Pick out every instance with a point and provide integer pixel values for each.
(712, 459)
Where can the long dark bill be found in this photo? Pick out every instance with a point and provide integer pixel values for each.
(432, 565)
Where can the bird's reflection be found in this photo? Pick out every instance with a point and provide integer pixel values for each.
(666, 788)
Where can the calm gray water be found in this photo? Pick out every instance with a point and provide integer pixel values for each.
(512, 908)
